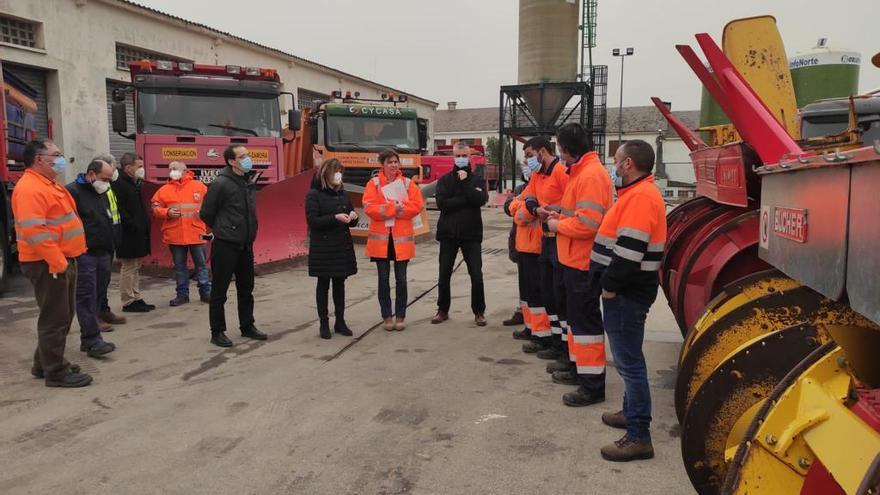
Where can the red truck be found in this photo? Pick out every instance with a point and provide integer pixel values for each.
(18, 109)
(441, 162)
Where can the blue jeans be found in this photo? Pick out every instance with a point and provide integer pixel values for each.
(181, 272)
(91, 270)
(624, 322)
(384, 269)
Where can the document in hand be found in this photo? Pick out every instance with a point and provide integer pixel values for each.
(395, 191)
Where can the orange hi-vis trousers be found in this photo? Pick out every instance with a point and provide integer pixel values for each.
(586, 335)
(534, 313)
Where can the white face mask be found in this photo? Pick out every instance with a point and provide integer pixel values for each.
(175, 174)
(337, 179)
(101, 186)
(115, 175)
(140, 173)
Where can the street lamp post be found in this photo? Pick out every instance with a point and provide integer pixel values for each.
(617, 52)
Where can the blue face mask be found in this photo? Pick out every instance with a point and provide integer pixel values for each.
(246, 164)
(462, 162)
(616, 179)
(533, 164)
(59, 165)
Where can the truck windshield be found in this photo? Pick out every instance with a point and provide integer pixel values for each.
(366, 133)
(209, 114)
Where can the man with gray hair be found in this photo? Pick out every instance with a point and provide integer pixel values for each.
(106, 316)
(460, 195)
(89, 192)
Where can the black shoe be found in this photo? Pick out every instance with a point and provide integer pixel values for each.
(341, 328)
(581, 398)
(253, 333)
(514, 320)
(324, 331)
(70, 380)
(138, 306)
(565, 377)
(524, 334)
(149, 307)
(73, 368)
(98, 349)
(560, 366)
(179, 301)
(534, 346)
(205, 298)
(220, 339)
(551, 353)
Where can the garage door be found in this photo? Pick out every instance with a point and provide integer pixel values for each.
(119, 144)
(36, 79)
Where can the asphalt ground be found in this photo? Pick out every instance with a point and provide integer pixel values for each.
(436, 409)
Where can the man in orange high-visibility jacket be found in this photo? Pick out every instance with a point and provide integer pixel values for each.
(50, 236)
(528, 248)
(176, 204)
(624, 262)
(587, 197)
(542, 196)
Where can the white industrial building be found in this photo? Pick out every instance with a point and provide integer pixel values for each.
(74, 52)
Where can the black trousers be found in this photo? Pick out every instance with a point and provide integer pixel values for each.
(228, 260)
(57, 302)
(321, 298)
(471, 251)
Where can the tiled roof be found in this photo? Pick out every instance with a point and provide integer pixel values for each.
(276, 51)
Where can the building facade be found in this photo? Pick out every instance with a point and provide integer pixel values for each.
(476, 125)
(75, 52)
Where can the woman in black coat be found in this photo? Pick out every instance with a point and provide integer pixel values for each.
(330, 214)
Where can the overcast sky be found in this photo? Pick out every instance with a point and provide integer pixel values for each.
(464, 50)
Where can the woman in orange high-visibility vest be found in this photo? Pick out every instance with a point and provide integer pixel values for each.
(392, 201)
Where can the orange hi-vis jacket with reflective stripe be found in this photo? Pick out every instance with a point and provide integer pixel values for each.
(528, 232)
(545, 188)
(47, 226)
(186, 195)
(586, 199)
(630, 242)
(387, 219)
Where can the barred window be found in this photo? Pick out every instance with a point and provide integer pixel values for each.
(126, 54)
(18, 32)
(305, 98)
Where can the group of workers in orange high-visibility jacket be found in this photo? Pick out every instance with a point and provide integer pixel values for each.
(576, 250)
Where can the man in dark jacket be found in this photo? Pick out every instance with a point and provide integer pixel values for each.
(460, 195)
(135, 243)
(89, 192)
(230, 210)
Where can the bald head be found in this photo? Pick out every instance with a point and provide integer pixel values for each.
(177, 166)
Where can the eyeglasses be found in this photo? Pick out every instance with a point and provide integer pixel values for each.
(53, 155)
(246, 155)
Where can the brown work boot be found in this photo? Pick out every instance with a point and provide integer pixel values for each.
(515, 319)
(440, 317)
(111, 318)
(627, 449)
(614, 420)
(399, 324)
(103, 326)
(388, 324)
(480, 319)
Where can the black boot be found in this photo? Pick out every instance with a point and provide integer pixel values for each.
(341, 328)
(325, 328)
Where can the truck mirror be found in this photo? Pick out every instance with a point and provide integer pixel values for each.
(119, 117)
(293, 120)
(423, 133)
(313, 130)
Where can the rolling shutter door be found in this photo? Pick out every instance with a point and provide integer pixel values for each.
(36, 79)
(119, 144)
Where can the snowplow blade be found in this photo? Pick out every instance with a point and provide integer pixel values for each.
(282, 238)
